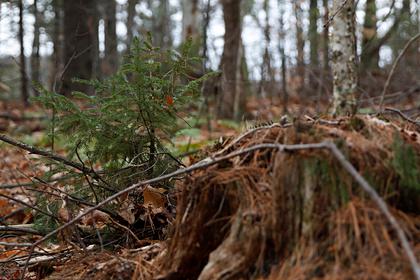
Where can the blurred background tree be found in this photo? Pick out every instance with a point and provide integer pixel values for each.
(273, 50)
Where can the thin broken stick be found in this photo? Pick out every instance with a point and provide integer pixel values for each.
(394, 66)
(43, 153)
(402, 115)
(209, 161)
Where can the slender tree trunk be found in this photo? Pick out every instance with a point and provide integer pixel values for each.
(239, 102)
(35, 58)
(325, 75)
(283, 58)
(206, 24)
(402, 33)
(57, 63)
(190, 20)
(300, 45)
(229, 62)
(368, 59)
(80, 29)
(110, 64)
(313, 41)
(265, 86)
(131, 13)
(96, 15)
(313, 31)
(162, 25)
(343, 45)
(325, 35)
(23, 78)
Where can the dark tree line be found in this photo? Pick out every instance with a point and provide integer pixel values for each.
(73, 29)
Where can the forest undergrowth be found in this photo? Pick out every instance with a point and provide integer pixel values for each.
(264, 213)
(139, 182)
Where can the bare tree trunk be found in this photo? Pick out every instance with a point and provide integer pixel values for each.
(206, 24)
(131, 12)
(35, 59)
(80, 29)
(23, 78)
(241, 78)
(190, 20)
(267, 79)
(300, 45)
(313, 41)
(325, 75)
(110, 64)
(343, 45)
(162, 25)
(57, 63)
(368, 59)
(96, 60)
(325, 35)
(283, 58)
(229, 62)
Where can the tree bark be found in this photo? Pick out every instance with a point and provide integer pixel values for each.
(343, 45)
(300, 46)
(282, 36)
(162, 25)
(398, 34)
(267, 74)
(313, 42)
(80, 29)
(57, 56)
(23, 78)
(190, 20)
(229, 62)
(35, 58)
(131, 13)
(368, 59)
(325, 35)
(326, 73)
(110, 64)
(313, 32)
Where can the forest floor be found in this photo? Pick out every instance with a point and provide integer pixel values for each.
(293, 213)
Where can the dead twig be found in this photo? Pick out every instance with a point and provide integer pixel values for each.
(404, 116)
(328, 23)
(12, 117)
(28, 205)
(43, 153)
(25, 228)
(394, 66)
(211, 161)
(33, 183)
(55, 157)
(15, 244)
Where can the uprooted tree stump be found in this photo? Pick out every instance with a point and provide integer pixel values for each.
(299, 215)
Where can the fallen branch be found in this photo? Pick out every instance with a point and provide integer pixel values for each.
(404, 116)
(15, 244)
(394, 66)
(211, 161)
(15, 118)
(43, 153)
(58, 158)
(28, 205)
(33, 183)
(24, 228)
